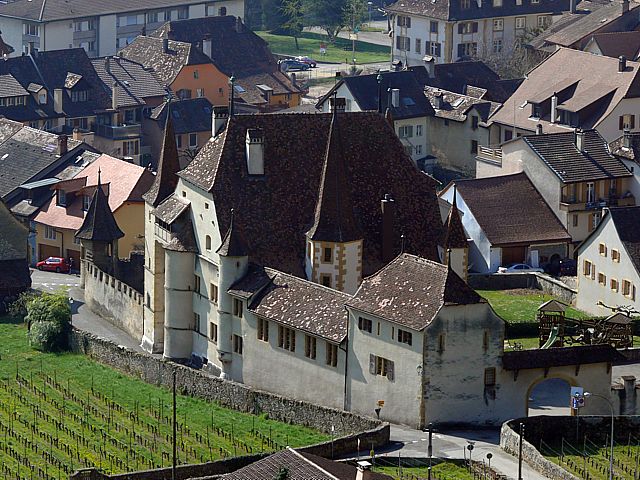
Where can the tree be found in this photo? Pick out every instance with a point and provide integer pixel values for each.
(514, 62)
(294, 13)
(326, 14)
(355, 13)
(49, 319)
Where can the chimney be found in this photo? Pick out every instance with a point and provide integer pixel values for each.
(219, 120)
(337, 104)
(539, 129)
(622, 63)
(388, 206)
(430, 65)
(395, 97)
(207, 45)
(238, 25)
(625, 6)
(62, 144)
(438, 100)
(77, 135)
(107, 64)
(165, 45)
(554, 108)
(114, 95)
(364, 471)
(626, 138)
(572, 6)
(57, 100)
(580, 140)
(255, 151)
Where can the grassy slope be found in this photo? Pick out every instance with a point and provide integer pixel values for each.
(78, 373)
(444, 471)
(310, 45)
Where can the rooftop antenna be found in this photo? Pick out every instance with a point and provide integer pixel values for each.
(402, 243)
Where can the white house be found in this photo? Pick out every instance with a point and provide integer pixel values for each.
(100, 27)
(450, 30)
(608, 263)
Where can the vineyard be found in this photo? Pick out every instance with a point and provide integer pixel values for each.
(62, 412)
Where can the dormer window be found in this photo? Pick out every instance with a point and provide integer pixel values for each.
(465, 4)
(42, 97)
(13, 101)
(497, 3)
(536, 110)
(86, 201)
(61, 198)
(79, 96)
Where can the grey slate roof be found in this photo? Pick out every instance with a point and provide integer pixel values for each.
(616, 44)
(166, 177)
(13, 236)
(456, 107)
(619, 148)
(559, 152)
(169, 210)
(524, 219)
(294, 302)
(188, 116)
(99, 224)
(451, 9)
(9, 87)
(47, 10)
(411, 290)
(627, 223)
(233, 243)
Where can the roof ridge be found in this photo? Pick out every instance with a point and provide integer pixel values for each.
(318, 467)
(306, 282)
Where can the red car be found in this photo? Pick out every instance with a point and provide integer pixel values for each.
(54, 264)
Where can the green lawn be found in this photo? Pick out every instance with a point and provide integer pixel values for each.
(442, 471)
(65, 411)
(310, 45)
(520, 306)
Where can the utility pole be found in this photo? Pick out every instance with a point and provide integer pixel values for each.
(520, 451)
(175, 430)
(430, 450)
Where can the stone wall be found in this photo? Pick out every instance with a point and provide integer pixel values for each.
(535, 281)
(228, 394)
(114, 300)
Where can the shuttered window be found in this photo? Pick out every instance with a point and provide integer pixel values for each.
(381, 366)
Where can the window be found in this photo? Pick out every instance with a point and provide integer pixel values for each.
(575, 219)
(381, 366)
(31, 29)
(193, 140)
(474, 122)
(497, 45)
(602, 248)
(327, 255)
(490, 377)
(208, 242)
(153, 17)
(86, 201)
(79, 96)
(467, 49)
(222, 11)
(403, 21)
(309, 346)
(465, 4)
(441, 342)
(627, 121)
(587, 268)
(49, 233)
(615, 256)
(332, 355)
(325, 279)
(403, 43)
(543, 20)
(61, 198)
(404, 337)
(196, 74)
(405, 131)
(213, 293)
(498, 24)
(433, 27)
(184, 94)
(591, 192)
(287, 338)
(237, 307)
(467, 27)
(237, 344)
(263, 329)
(614, 284)
(595, 220)
(434, 49)
(196, 283)
(179, 141)
(418, 45)
(626, 288)
(497, 3)
(418, 130)
(196, 322)
(199, 92)
(474, 146)
(183, 13)
(418, 149)
(602, 278)
(364, 324)
(130, 148)
(521, 23)
(213, 332)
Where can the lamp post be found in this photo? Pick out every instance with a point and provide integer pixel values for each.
(430, 450)
(589, 394)
(489, 457)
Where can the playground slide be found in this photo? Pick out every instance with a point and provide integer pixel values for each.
(553, 336)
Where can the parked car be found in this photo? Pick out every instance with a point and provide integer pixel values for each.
(519, 268)
(291, 65)
(308, 60)
(568, 267)
(54, 264)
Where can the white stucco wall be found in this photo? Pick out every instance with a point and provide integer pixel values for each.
(57, 35)
(609, 126)
(107, 35)
(634, 183)
(12, 34)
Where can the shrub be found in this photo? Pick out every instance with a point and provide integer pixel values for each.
(46, 336)
(49, 318)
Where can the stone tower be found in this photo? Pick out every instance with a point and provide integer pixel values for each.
(334, 242)
(233, 265)
(154, 276)
(456, 244)
(99, 234)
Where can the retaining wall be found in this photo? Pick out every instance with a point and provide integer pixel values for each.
(535, 281)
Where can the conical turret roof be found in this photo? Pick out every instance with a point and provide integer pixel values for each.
(233, 243)
(454, 235)
(99, 224)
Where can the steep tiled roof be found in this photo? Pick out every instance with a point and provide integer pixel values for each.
(148, 51)
(627, 223)
(300, 466)
(169, 164)
(99, 224)
(278, 208)
(233, 244)
(455, 236)
(13, 236)
(573, 74)
(334, 220)
(47, 10)
(135, 83)
(411, 290)
(9, 87)
(188, 116)
(616, 44)
(451, 9)
(558, 357)
(522, 219)
(560, 153)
